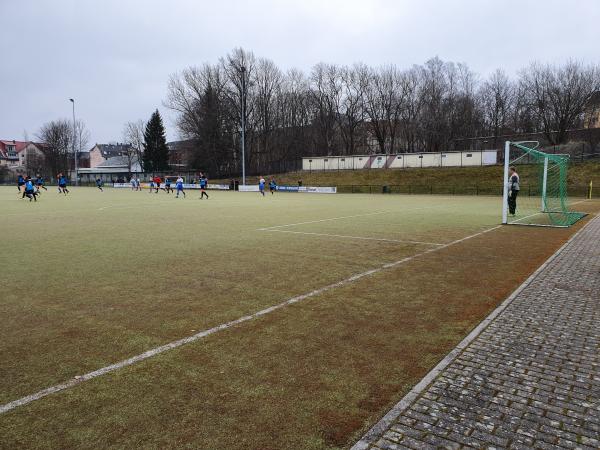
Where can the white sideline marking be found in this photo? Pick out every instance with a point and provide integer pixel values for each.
(354, 237)
(172, 345)
(323, 220)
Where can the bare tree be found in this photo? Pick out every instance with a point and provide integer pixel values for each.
(133, 135)
(496, 97)
(384, 102)
(325, 105)
(558, 95)
(268, 81)
(57, 136)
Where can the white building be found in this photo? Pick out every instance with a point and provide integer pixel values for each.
(401, 161)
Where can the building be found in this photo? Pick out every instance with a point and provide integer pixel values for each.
(32, 157)
(401, 160)
(9, 152)
(102, 152)
(113, 169)
(179, 153)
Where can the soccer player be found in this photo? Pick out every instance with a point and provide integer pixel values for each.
(29, 190)
(20, 183)
(99, 184)
(39, 182)
(179, 186)
(513, 190)
(62, 184)
(272, 186)
(261, 186)
(203, 185)
(133, 183)
(151, 184)
(157, 182)
(168, 187)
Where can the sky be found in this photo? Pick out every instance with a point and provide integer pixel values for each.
(115, 57)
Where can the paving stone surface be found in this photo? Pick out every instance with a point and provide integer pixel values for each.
(530, 379)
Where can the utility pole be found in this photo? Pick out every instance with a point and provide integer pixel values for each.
(243, 70)
(74, 139)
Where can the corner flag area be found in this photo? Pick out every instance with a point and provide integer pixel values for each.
(131, 319)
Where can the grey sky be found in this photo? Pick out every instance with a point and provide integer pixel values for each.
(115, 56)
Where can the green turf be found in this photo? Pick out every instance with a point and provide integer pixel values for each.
(93, 278)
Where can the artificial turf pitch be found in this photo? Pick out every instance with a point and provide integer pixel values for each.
(93, 278)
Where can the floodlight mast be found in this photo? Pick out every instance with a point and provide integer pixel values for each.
(74, 139)
(243, 72)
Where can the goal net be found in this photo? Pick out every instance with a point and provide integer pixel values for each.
(535, 187)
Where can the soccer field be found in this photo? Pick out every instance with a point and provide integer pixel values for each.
(369, 293)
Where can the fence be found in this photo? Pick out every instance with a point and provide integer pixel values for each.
(581, 190)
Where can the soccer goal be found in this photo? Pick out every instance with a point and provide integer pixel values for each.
(535, 187)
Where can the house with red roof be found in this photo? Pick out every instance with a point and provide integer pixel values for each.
(9, 152)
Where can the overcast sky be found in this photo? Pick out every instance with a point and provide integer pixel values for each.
(115, 56)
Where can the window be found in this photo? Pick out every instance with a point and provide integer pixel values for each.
(399, 157)
(310, 160)
(343, 159)
(469, 155)
(443, 156)
(379, 158)
(420, 156)
(326, 160)
(360, 159)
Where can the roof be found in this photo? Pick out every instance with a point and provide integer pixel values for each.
(109, 150)
(117, 161)
(4, 143)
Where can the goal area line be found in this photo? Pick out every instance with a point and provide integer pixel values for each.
(363, 238)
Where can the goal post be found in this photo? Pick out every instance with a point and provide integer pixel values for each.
(542, 180)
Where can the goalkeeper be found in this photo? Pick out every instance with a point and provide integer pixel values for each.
(513, 190)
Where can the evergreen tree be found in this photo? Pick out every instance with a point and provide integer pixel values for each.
(156, 152)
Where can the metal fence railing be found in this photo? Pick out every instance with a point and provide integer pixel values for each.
(580, 190)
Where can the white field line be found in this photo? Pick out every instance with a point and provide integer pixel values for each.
(172, 345)
(323, 220)
(354, 237)
(345, 217)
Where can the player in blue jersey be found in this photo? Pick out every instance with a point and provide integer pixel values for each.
(272, 186)
(203, 186)
(179, 186)
(261, 186)
(168, 187)
(20, 183)
(99, 184)
(29, 191)
(39, 182)
(62, 184)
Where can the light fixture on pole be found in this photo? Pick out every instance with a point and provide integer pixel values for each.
(74, 139)
(243, 70)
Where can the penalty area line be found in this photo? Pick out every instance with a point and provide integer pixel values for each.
(400, 241)
(178, 343)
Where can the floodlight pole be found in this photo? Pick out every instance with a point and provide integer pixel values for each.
(74, 139)
(243, 70)
(505, 179)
